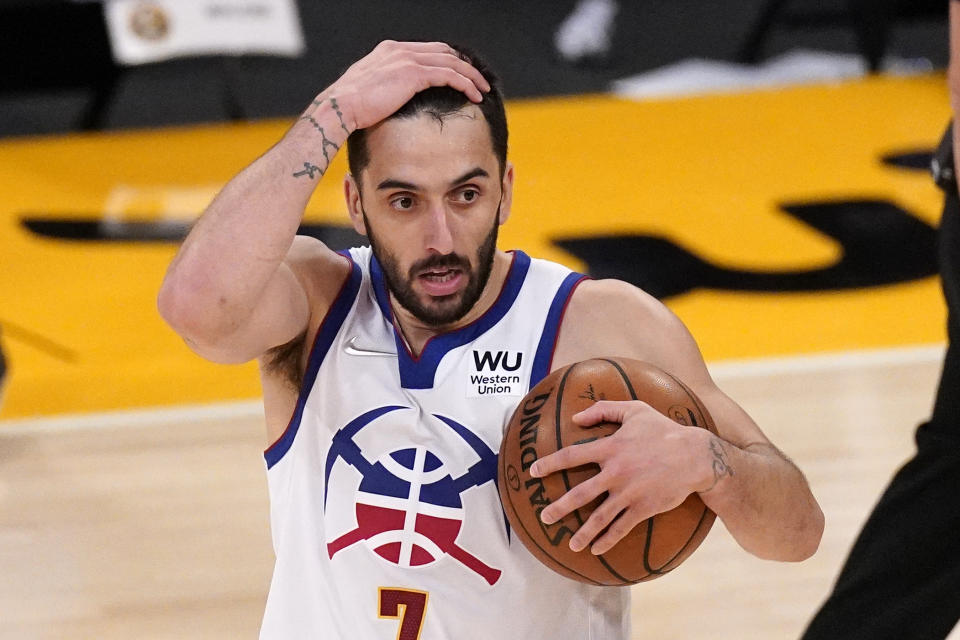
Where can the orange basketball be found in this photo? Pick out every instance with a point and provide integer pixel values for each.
(542, 424)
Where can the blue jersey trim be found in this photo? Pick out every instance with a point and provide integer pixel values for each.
(551, 328)
(380, 288)
(321, 345)
(419, 373)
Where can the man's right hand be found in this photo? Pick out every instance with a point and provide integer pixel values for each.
(381, 82)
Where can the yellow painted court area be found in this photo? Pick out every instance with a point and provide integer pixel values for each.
(79, 321)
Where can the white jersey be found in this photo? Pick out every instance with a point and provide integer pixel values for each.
(385, 514)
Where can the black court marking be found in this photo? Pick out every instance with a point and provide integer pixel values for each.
(913, 159)
(531, 538)
(881, 243)
(103, 229)
(38, 341)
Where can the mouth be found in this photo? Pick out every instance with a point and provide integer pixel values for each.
(441, 281)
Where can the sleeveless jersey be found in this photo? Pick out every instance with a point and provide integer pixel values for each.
(384, 509)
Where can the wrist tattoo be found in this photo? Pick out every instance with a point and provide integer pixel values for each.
(327, 142)
(309, 170)
(336, 108)
(721, 467)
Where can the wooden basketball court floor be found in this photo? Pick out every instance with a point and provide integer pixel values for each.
(132, 492)
(154, 524)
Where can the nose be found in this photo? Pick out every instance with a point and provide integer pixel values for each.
(438, 234)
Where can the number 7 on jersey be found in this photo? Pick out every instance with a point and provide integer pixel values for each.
(407, 605)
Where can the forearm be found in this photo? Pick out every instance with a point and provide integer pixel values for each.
(763, 500)
(236, 247)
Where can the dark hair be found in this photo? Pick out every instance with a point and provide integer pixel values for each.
(440, 102)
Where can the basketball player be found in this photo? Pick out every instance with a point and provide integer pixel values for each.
(390, 372)
(902, 577)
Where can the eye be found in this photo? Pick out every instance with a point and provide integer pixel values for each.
(469, 195)
(402, 203)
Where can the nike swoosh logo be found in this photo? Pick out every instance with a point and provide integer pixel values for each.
(354, 350)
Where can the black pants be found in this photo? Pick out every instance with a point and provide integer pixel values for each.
(902, 578)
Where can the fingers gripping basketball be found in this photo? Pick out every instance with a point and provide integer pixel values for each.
(544, 423)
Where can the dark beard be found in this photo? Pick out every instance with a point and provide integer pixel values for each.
(449, 309)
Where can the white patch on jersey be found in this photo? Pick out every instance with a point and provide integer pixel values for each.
(497, 372)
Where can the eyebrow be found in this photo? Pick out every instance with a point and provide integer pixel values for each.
(397, 184)
(476, 172)
(390, 183)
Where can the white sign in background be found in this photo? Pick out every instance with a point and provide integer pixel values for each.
(153, 30)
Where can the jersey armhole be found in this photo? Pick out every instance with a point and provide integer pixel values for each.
(543, 358)
(326, 332)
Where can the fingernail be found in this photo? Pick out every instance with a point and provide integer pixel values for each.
(545, 518)
(576, 545)
(535, 470)
(597, 550)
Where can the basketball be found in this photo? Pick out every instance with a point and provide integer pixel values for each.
(542, 424)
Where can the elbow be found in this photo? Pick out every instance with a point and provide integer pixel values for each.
(793, 542)
(813, 534)
(168, 303)
(175, 306)
(198, 317)
(187, 309)
(803, 541)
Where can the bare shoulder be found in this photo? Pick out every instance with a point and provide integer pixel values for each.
(614, 318)
(609, 303)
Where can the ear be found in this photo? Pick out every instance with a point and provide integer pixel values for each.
(507, 188)
(351, 192)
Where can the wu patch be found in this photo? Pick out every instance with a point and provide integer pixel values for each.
(496, 373)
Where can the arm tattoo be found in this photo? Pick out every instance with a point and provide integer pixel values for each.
(720, 465)
(309, 170)
(336, 108)
(327, 142)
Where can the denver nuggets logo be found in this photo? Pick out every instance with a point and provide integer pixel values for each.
(408, 505)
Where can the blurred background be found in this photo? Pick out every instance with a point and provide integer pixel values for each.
(761, 166)
(61, 75)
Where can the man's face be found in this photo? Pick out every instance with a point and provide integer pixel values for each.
(432, 201)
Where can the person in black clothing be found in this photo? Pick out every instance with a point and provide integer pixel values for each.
(902, 577)
(3, 372)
